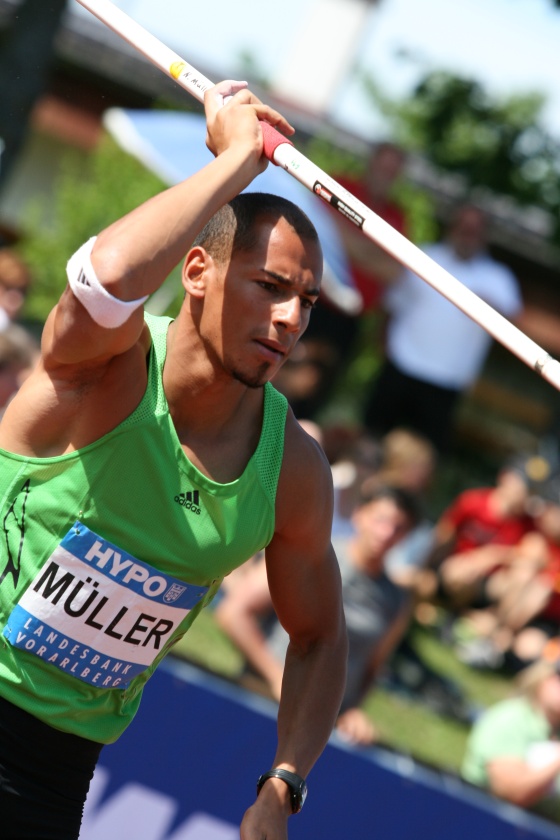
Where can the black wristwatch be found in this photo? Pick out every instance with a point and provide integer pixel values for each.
(297, 785)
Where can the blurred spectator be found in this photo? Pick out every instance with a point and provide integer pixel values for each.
(434, 351)
(372, 267)
(408, 461)
(331, 335)
(15, 281)
(513, 748)
(307, 374)
(377, 610)
(525, 595)
(18, 352)
(478, 532)
(357, 462)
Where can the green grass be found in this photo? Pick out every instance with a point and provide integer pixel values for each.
(414, 729)
(206, 645)
(403, 724)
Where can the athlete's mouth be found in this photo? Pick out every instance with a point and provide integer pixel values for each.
(272, 346)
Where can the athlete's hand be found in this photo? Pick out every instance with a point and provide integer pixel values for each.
(233, 115)
(355, 727)
(267, 818)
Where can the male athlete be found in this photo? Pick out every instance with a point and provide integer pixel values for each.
(142, 461)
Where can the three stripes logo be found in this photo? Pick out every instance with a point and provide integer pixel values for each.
(189, 500)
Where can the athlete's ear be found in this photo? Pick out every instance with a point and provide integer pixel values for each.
(195, 268)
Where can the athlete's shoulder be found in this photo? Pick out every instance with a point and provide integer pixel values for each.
(304, 497)
(305, 489)
(302, 451)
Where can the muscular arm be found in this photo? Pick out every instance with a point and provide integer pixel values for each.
(133, 256)
(515, 780)
(305, 587)
(239, 614)
(90, 377)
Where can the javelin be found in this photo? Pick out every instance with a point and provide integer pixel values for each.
(281, 151)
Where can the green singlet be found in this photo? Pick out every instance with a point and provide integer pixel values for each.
(108, 554)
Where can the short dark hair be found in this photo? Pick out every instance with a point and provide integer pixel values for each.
(234, 227)
(405, 501)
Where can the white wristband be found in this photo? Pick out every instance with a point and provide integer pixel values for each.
(105, 309)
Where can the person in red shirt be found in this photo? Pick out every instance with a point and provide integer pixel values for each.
(372, 267)
(477, 534)
(524, 615)
(332, 333)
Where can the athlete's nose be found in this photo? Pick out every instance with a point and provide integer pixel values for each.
(288, 314)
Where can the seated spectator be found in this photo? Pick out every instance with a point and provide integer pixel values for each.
(475, 535)
(513, 749)
(357, 462)
(377, 610)
(524, 613)
(408, 460)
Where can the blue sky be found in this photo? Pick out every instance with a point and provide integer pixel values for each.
(509, 45)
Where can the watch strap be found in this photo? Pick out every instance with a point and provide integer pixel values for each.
(296, 784)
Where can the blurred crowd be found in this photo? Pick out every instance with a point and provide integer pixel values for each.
(18, 347)
(484, 577)
(483, 574)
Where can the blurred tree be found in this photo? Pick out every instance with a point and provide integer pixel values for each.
(91, 193)
(493, 143)
(250, 68)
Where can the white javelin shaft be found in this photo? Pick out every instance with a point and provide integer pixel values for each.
(315, 179)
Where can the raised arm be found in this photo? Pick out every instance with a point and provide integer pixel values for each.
(305, 587)
(94, 344)
(133, 256)
(514, 779)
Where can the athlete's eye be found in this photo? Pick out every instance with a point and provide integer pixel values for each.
(269, 287)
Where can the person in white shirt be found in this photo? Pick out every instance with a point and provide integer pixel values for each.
(434, 351)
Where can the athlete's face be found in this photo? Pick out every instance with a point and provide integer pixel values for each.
(258, 306)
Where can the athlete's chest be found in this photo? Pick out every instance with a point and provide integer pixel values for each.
(222, 461)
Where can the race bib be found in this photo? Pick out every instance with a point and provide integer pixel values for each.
(98, 613)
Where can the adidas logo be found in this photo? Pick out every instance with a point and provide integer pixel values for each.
(190, 501)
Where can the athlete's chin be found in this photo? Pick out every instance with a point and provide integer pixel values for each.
(253, 378)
